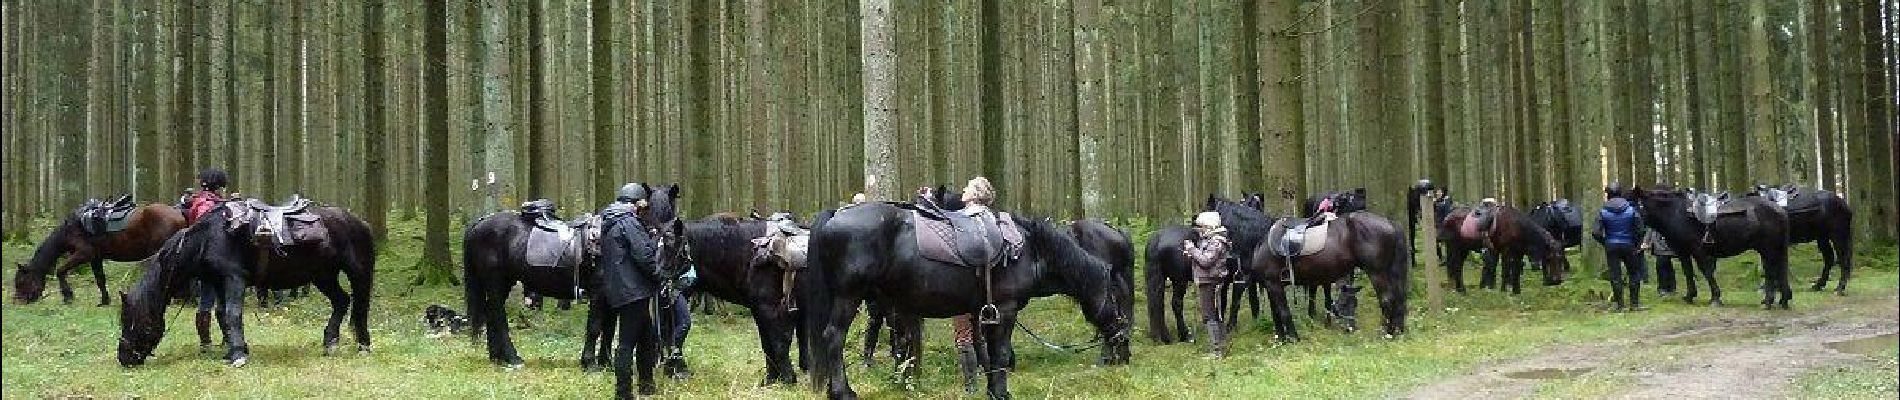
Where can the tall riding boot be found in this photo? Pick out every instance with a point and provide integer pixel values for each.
(966, 361)
(1616, 296)
(204, 329)
(1217, 338)
(1636, 296)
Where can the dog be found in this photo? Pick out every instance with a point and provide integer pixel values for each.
(438, 320)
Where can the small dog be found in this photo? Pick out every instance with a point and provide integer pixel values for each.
(438, 320)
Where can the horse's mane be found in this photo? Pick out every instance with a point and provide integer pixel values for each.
(1065, 254)
(1245, 225)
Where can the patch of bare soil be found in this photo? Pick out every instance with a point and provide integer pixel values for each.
(1750, 357)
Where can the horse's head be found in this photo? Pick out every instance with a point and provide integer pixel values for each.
(675, 251)
(1256, 200)
(1662, 202)
(1089, 280)
(662, 205)
(141, 325)
(29, 279)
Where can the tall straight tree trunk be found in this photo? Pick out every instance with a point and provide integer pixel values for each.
(990, 90)
(183, 130)
(879, 57)
(1819, 85)
(496, 133)
(1090, 116)
(375, 174)
(1763, 152)
(1877, 35)
(1282, 118)
(606, 166)
(435, 266)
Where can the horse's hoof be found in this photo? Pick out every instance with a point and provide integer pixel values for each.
(1389, 336)
(329, 350)
(105, 302)
(362, 349)
(1840, 292)
(1715, 303)
(67, 301)
(1818, 286)
(240, 361)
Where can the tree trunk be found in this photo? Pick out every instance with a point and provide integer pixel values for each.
(879, 57)
(496, 132)
(606, 165)
(435, 266)
(376, 196)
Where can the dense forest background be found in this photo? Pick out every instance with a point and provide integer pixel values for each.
(1099, 108)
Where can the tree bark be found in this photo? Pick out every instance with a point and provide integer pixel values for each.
(435, 266)
(375, 172)
(878, 54)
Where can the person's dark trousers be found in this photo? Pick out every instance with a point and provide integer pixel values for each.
(1211, 317)
(638, 338)
(1626, 267)
(1665, 275)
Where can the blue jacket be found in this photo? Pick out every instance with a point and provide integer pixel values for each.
(1619, 223)
(628, 258)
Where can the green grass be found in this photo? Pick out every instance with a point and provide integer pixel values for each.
(57, 350)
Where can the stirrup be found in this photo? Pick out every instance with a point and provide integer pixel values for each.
(989, 315)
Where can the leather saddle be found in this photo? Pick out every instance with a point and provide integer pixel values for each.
(1299, 237)
(1708, 206)
(102, 217)
(289, 224)
(550, 242)
(976, 241)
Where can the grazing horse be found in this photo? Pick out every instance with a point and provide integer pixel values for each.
(869, 251)
(236, 246)
(1360, 240)
(494, 259)
(1821, 217)
(1748, 223)
(146, 229)
(1512, 237)
(1458, 244)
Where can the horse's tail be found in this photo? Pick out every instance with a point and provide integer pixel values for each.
(815, 289)
(474, 294)
(1157, 300)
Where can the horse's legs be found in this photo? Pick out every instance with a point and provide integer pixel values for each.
(593, 344)
(1253, 301)
(1827, 263)
(873, 326)
(1843, 255)
(1488, 278)
(339, 305)
(1455, 269)
(1391, 303)
(638, 338)
(231, 312)
(907, 351)
(1002, 356)
(830, 363)
(1312, 300)
(1282, 315)
(1688, 278)
(65, 269)
(501, 348)
(362, 275)
(99, 278)
(1514, 272)
(1180, 321)
(1775, 264)
(1707, 265)
(775, 341)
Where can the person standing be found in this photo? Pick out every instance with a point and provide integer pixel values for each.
(629, 284)
(1209, 259)
(1619, 228)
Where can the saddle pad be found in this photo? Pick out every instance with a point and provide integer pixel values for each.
(1707, 210)
(1469, 228)
(546, 248)
(1310, 241)
(966, 241)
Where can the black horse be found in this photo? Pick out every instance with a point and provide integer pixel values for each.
(1821, 217)
(232, 248)
(1748, 223)
(1561, 220)
(1169, 276)
(494, 259)
(868, 252)
(1360, 240)
(723, 253)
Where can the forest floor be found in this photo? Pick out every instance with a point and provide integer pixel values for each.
(1555, 342)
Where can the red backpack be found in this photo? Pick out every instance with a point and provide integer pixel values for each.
(201, 203)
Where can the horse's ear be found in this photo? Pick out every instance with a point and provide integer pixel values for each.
(679, 226)
(122, 297)
(673, 189)
(1359, 191)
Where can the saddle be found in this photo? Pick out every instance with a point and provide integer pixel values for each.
(551, 242)
(102, 217)
(1473, 226)
(1299, 239)
(289, 224)
(1708, 206)
(976, 241)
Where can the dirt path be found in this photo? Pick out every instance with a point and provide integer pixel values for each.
(1751, 357)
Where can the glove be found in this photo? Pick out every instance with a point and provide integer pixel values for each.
(692, 275)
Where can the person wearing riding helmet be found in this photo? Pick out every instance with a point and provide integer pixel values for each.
(628, 282)
(210, 194)
(1209, 260)
(1619, 230)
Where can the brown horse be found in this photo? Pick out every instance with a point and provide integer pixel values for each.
(145, 231)
(1508, 236)
(1458, 244)
(1356, 242)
